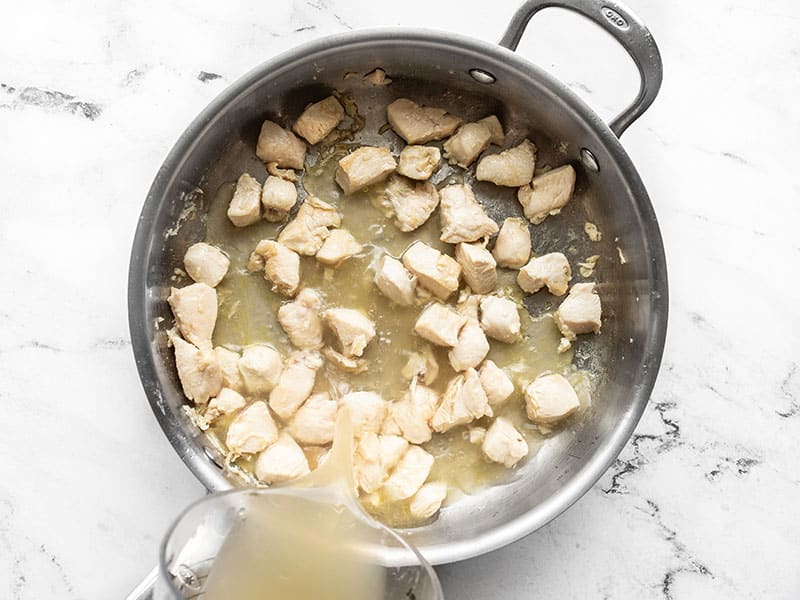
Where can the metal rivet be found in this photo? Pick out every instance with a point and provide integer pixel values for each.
(589, 161)
(482, 76)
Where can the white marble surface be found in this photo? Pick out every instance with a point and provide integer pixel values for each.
(701, 504)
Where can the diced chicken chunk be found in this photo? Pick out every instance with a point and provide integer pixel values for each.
(260, 367)
(319, 119)
(315, 421)
(463, 219)
(338, 247)
(390, 426)
(229, 365)
(428, 500)
(497, 385)
(580, 311)
(512, 248)
(206, 264)
(414, 412)
(500, 319)
(363, 167)
(510, 168)
(307, 231)
(295, 383)
(282, 461)
(495, 129)
(550, 398)
(471, 349)
(252, 430)
(409, 475)
(226, 402)
(301, 320)
(462, 402)
(419, 162)
(375, 456)
(419, 124)
(377, 77)
(348, 364)
(281, 266)
(245, 206)
(280, 146)
(435, 271)
(504, 444)
(195, 310)
(440, 324)
(198, 370)
(412, 202)
(278, 197)
(422, 365)
(476, 435)
(478, 266)
(551, 270)
(352, 328)
(469, 305)
(547, 193)
(395, 282)
(367, 411)
(469, 141)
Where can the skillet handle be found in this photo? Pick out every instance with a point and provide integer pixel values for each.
(624, 26)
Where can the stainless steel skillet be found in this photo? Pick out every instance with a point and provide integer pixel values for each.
(472, 79)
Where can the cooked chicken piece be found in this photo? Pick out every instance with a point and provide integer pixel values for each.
(547, 193)
(495, 129)
(478, 266)
(295, 383)
(280, 146)
(510, 168)
(377, 77)
(281, 266)
(301, 320)
(500, 319)
(435, 271)
(413, 202)
(580, 311)
(462, 402)
(245, 206)
(497, 385)
(476, 435)
(551, 270)
(319, 119)
(338, 247)
(440, 324)
(307, 231)
(504, 444)
(352, 328)
(423, 365)
(226, 402)
(414, 412)
(278, 197)
(390, 426)
(315, 421)
(471, 349)
(252, 430)
(428, 500)
(260, 367)
(255, 263)
(419, 162)
(469, 304)
(409, 475)
(287, 174)
(348, 364)
(394, 280)
(375, 456)
(229, 365)
(206, 264)
(419, 124)
(198, 370)
(469, 141)
(550, 398)
(363, 167)
(195, 310)
(367, 411)
(282, 461)
(463, 219)
(512, 248)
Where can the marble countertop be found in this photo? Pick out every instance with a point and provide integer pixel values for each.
(702, 502)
